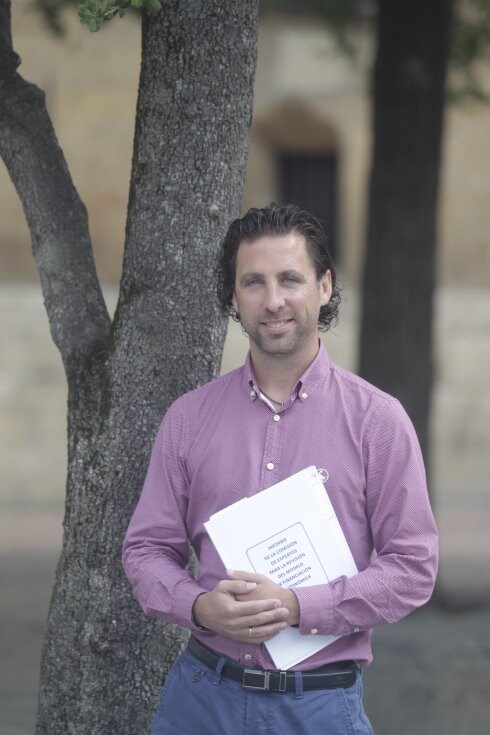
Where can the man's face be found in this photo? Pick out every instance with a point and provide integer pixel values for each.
(278, 296)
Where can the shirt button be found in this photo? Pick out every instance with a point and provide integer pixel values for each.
(270, 465)
(356, 630)
(304, 395)
(252, 394)
(247, 657)
(314, 631)
(276, 417)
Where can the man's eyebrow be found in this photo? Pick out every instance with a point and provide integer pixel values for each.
(250, 274)
(282, 274)
(292, 273)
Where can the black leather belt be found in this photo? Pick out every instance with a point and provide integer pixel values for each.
(341, 674)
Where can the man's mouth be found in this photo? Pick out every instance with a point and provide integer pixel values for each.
(276, 324)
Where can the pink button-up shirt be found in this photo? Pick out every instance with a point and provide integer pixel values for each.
(222, 442)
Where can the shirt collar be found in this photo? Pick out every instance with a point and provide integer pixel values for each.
(307, 383)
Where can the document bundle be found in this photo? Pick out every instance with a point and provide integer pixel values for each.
(290, 533)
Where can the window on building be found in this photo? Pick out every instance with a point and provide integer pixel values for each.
(310, 181)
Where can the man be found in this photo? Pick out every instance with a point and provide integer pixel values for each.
(287, 408)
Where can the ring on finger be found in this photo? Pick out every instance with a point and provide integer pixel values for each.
(250, 632)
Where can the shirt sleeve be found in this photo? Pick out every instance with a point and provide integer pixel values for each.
(403, 569)
(156, 547)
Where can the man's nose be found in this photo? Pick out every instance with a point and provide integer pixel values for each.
(274, 297)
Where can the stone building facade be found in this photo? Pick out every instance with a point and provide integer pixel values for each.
(310, 141)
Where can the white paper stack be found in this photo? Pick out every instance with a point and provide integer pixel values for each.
(290, 533)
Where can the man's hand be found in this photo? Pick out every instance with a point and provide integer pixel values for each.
(265, 588)
(245, 619)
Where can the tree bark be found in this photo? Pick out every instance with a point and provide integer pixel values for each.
(103, 661)
(399, 268)
(56, 217)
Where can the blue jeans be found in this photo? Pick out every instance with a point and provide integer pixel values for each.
(196, 700)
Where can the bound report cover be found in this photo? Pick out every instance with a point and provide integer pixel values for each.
(290, 533)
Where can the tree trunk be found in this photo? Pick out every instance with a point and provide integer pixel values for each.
(103, 661)
(399, 268)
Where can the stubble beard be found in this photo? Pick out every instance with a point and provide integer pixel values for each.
(280, 345)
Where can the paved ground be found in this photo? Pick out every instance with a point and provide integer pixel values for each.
(431, 674)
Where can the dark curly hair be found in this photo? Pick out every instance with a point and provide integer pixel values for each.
(277, 220)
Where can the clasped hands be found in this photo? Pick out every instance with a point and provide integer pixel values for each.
(246, 607)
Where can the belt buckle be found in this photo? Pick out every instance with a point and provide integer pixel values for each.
(256, 679)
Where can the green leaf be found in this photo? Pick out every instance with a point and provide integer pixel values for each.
(84, 14)
(94, 13)
(153, 5)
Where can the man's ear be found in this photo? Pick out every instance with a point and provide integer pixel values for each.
(326, 287)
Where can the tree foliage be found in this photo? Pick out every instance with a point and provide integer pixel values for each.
(94, 13)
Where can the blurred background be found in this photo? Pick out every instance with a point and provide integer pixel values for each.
(310, 143)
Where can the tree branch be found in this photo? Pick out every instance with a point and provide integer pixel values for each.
(56, 216)
(9, 61)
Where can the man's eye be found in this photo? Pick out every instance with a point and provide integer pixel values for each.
(291, 279)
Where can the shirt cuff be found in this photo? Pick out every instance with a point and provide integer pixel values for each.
(185, 595)
(315, 609)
